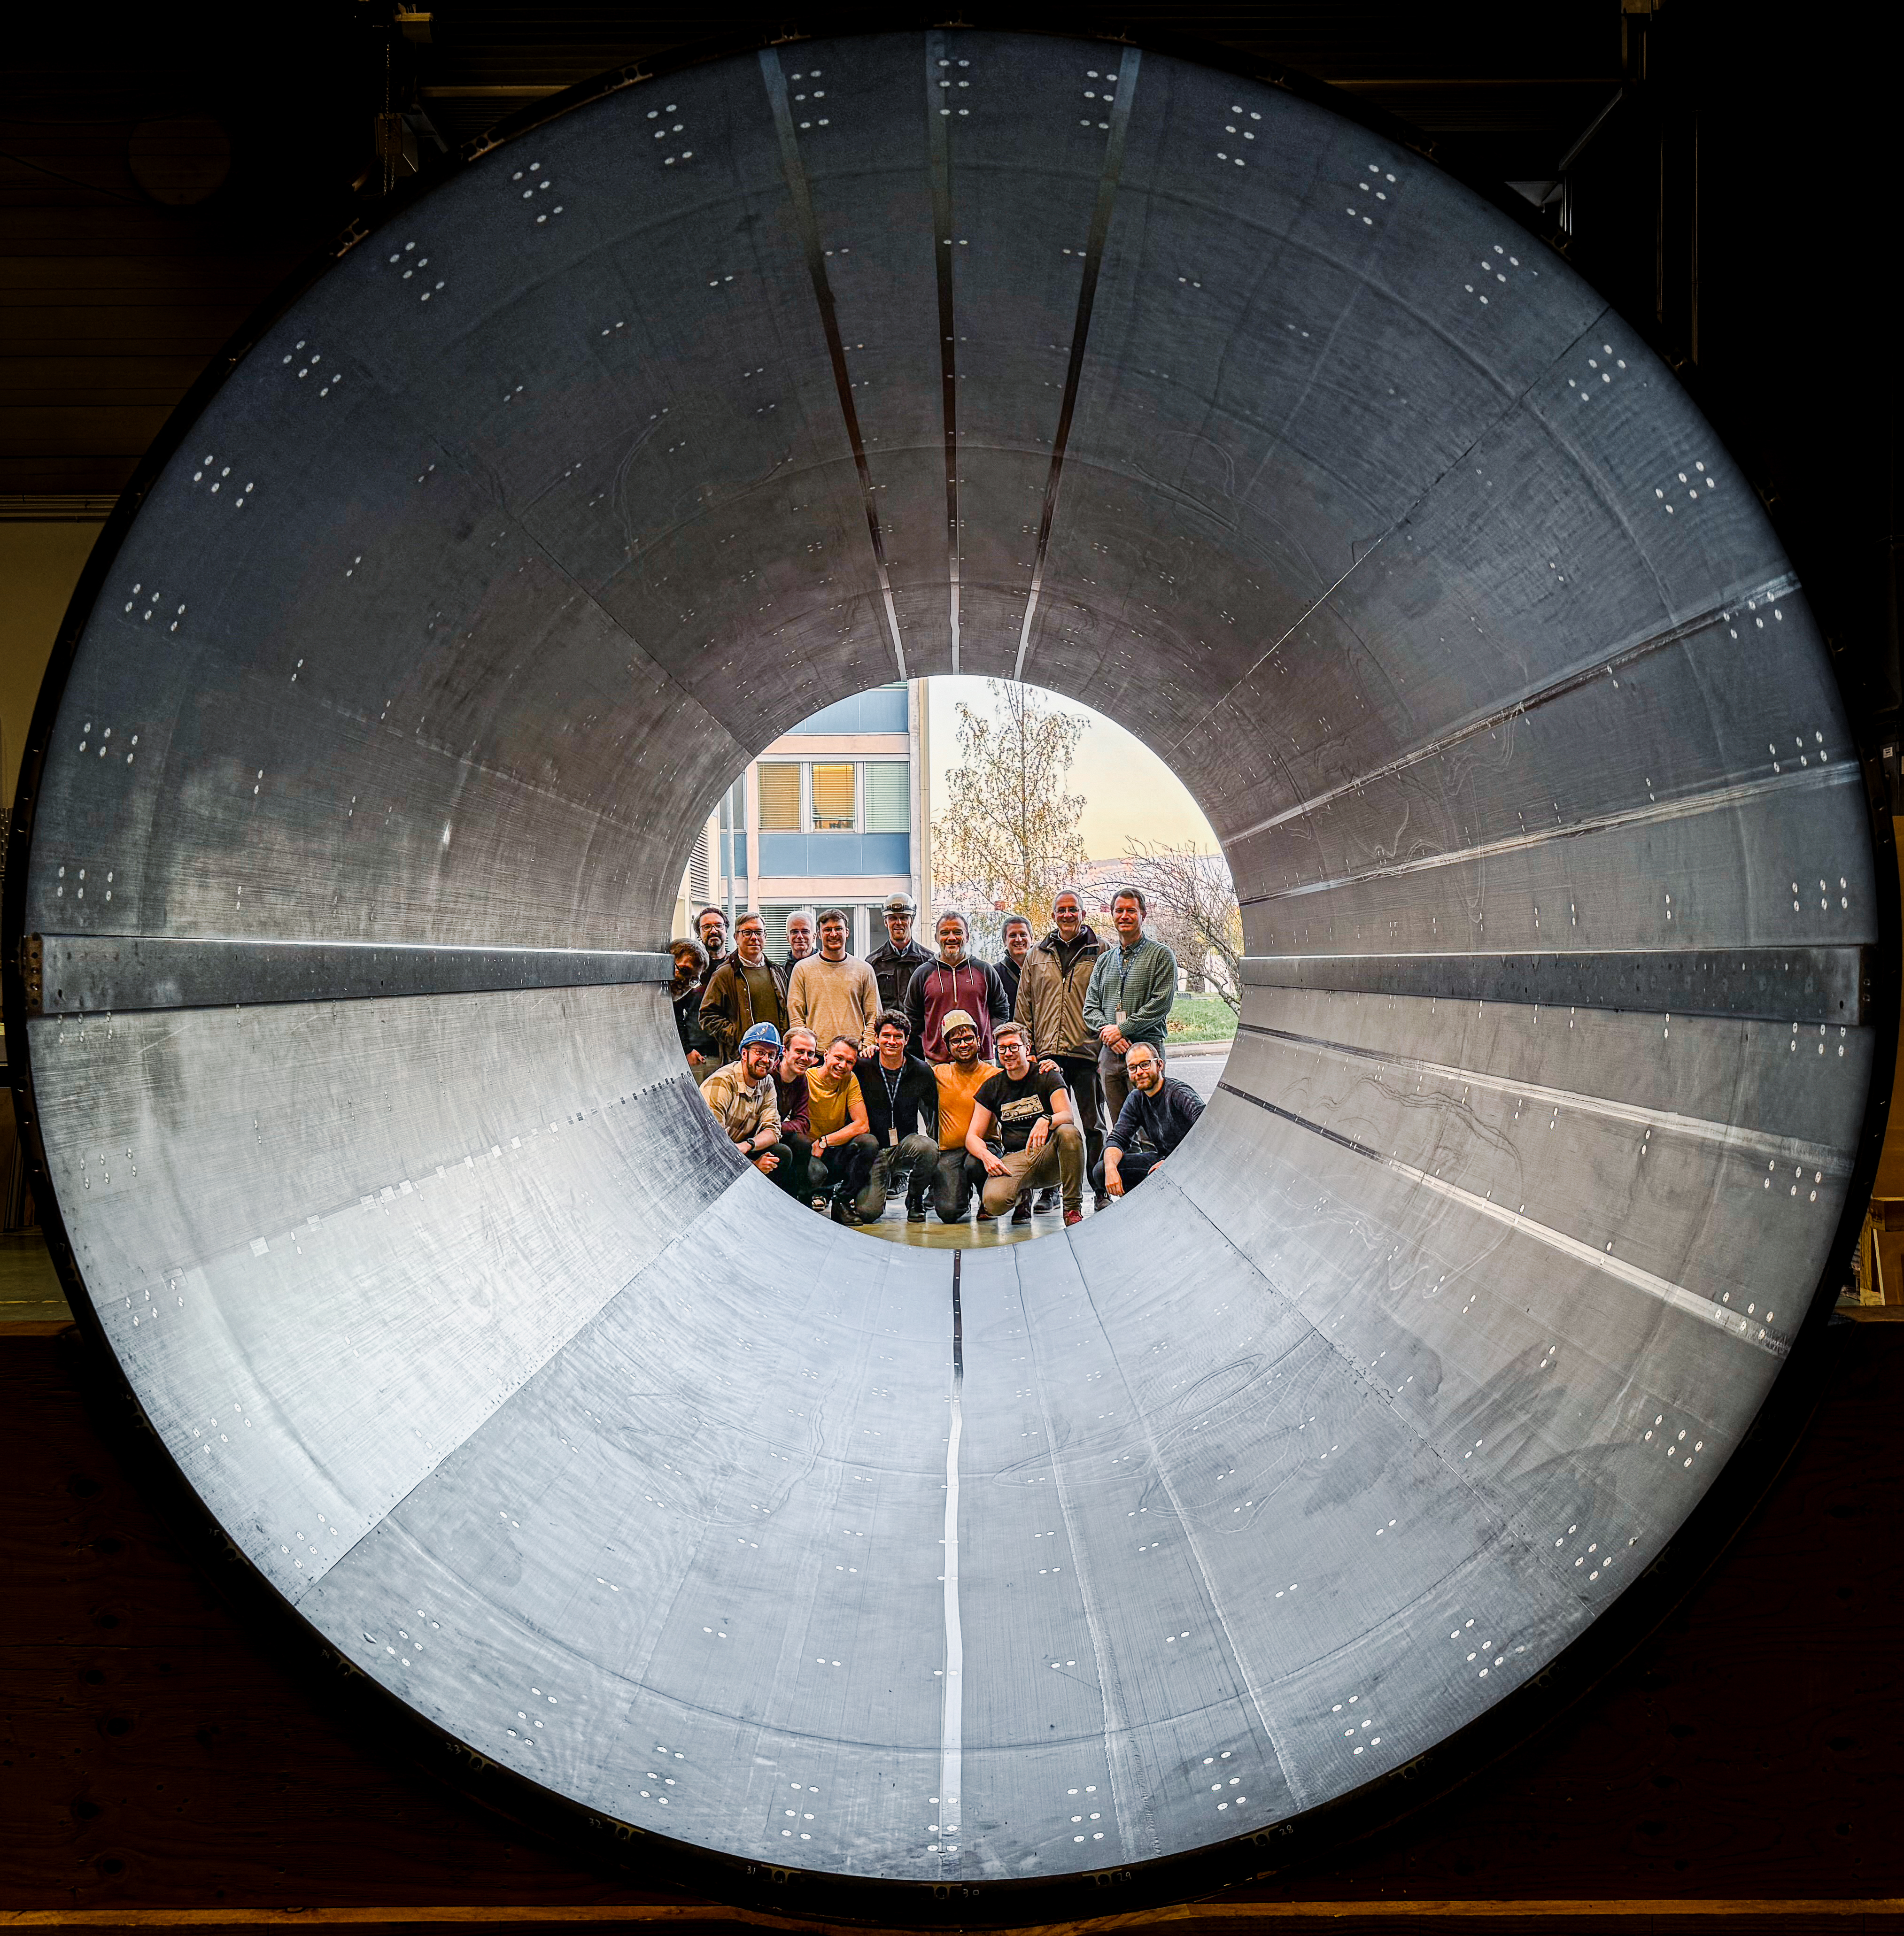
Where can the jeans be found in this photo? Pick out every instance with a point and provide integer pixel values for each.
(1080, 1075)
(833, 1169)
(956, 1175)
(1117, 1084)
(1133, 1167)
(915, 1158)
(1060, 1160)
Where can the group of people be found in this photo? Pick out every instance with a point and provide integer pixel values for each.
(1007, 1085)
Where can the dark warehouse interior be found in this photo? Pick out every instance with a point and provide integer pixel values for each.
(175, 1754)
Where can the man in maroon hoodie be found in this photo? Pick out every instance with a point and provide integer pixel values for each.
(954, 981)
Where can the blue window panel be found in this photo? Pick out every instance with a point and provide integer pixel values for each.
(783, 853)
(882, 710)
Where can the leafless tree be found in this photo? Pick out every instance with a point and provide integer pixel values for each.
(1194, 912)
(1008, 839)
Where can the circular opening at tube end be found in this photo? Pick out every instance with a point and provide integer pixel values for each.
(830, 1577)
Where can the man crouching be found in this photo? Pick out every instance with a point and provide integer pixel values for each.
(1022, 1131)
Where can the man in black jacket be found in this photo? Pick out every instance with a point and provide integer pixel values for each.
(902, 1110)
(895, 964)
(1011, 963)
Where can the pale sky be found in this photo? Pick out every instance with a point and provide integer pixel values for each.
(1127, 789)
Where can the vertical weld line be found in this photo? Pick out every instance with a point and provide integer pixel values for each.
(1100, 228)
(952, 1714)
(938, 143)
(795, 172)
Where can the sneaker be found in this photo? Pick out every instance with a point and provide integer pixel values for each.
(1101, 1201)
(915, 1213)
(986, 1217)
(1047, 1198)
(843, 1213)
(1021, 1209)
(1073, 1217)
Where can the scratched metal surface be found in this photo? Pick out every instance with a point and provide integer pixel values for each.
(483, 573)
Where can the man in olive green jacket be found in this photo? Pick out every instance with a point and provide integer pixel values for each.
(1051, 990)
(1132, 988)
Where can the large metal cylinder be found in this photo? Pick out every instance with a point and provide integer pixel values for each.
(362, 796)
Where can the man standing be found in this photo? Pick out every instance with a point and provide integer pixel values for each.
(830, 993)
(895, 964)
(740, 1093)
(1022, 1133)
(800, 934)
(711, 925)
(1018, 945)
(744, 989)
(1159, 1108)
(958, 1172)
(836, 1118)
(1051, 1004)
(952, 981)
(902, 1111)
(1132, 988)
(798, 1053)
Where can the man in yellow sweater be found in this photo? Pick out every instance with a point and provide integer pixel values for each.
(843, 1143)
(830, 994)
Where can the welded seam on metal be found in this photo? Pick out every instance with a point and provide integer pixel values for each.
(938, 129)
(1716, 800)
(795, 170)
(1101, 229)
(1820, 1157)
(1748, 1330)
(95, 974)
(1799, 983)
(1601, 666)
(951, 1711)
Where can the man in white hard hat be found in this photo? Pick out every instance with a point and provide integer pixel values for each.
(894, 964)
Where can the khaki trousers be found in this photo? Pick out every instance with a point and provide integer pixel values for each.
(1060, 1161)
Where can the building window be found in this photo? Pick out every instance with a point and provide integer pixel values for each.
(888, 795)
(779, 796)
(833, 799)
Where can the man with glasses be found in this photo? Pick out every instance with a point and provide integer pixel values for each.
(958, 1172)
(1159, 1109)
(744, 989)
(800, 934)
(740, 1093)
(1022, 1133)
(1051, 992)
(894, 964)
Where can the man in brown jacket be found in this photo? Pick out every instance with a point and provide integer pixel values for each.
(1050, 1004)
(744, 989)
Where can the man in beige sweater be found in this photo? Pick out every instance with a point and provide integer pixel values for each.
(830, 994)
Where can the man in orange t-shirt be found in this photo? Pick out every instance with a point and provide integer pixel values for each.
(959, 1174)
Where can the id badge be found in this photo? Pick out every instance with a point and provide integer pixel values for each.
(892, 1135)
(1120, 1022)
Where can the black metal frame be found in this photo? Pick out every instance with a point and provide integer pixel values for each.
(386, 1721)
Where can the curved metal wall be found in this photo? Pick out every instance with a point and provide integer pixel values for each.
(710, 403)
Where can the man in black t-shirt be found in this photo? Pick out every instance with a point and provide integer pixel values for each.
(1023, 1131)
